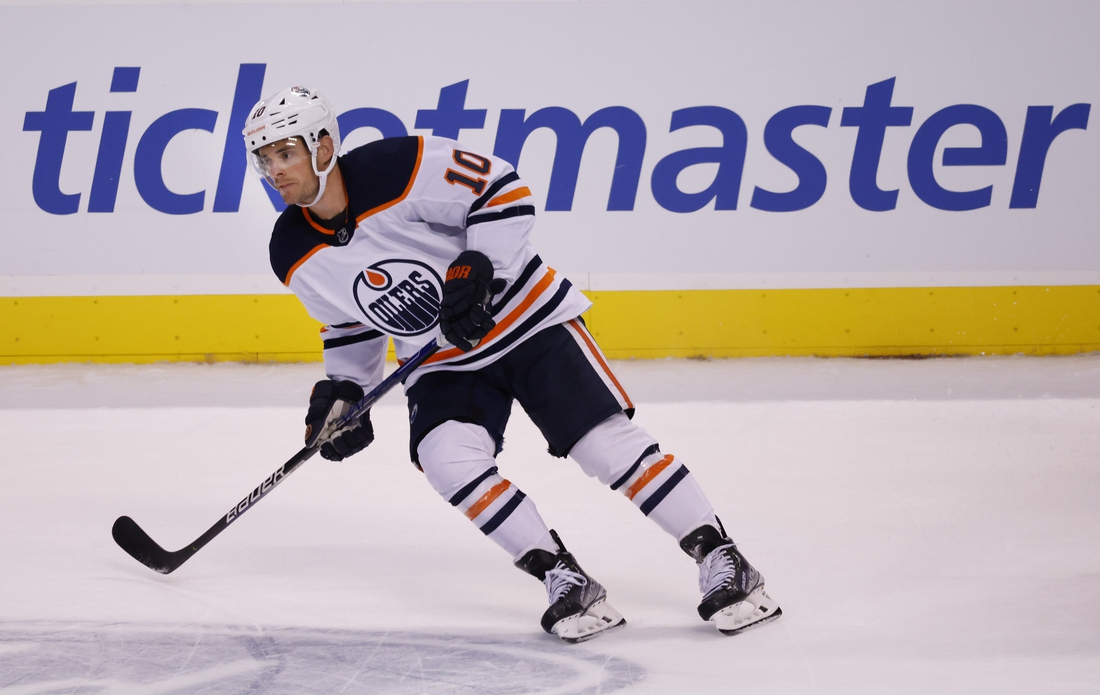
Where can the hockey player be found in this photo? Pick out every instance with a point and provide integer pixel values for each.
(418, 238)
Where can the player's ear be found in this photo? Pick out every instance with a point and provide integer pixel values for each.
(325, 151)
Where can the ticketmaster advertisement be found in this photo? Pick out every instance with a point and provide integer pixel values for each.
(670, 145)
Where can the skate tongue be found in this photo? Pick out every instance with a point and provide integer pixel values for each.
(560, 579)
(716, 569)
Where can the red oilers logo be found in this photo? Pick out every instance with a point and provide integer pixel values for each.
(399, 297)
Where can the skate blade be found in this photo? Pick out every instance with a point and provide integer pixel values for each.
(757, 608)
(598, 619)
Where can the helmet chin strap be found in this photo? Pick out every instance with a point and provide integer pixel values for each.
(322, 177)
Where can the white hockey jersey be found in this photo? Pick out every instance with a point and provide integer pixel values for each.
(414, 204)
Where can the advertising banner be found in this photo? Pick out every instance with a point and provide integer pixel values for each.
(671, 145)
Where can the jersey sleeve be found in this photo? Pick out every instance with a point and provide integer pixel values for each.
(354, 352)
(482, 194)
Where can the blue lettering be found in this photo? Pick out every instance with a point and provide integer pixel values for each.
(450, 116)
(234, 168)
(1039, 132)
(730, 158)
(572, 136)
(150, 151)
(55, 123)
(872, 119)
(108, 163)
(112, 146)
(779, 139)
(993, 151)
(125, 79)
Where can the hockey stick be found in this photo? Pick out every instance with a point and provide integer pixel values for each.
(133, 539)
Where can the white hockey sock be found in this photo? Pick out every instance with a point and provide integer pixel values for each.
(457, 459)
(666, 491)
(624, 456)
(505, 514)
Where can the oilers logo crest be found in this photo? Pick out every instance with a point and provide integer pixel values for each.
(399, 296)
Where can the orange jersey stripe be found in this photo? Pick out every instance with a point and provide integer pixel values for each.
(647, 477)
(302, 260)
(313, 223)
(487, 499)
(534, 294)
(510, 196)
(408, 187)
(599, 358)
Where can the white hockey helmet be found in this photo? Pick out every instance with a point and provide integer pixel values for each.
(294, 112)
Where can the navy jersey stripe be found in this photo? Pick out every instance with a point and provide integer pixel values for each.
(523, 330)
(352, 339)
(517, 211)
(518, 285)
(493, 189)
(468, 489)
(504, 513)
(662, 492)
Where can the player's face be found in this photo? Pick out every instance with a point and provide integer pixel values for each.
(288, 166)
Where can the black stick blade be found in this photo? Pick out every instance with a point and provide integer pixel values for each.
(135, 541)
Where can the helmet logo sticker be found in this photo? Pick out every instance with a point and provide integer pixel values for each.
(259, 112)
(399, 296)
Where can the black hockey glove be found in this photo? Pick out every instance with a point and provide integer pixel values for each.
(330, 401)
(463, 314)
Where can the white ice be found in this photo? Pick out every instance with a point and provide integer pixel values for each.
(927, 526)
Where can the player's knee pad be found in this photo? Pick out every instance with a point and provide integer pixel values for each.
(625, 457)
(454, 454)
(457, 458)
(613, 448)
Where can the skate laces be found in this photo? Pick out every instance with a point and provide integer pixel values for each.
(560, 580)
(716, 569)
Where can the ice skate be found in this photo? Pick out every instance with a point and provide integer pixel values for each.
(733, 590)
(578, 608)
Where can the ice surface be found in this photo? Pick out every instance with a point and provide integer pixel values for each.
(123, 658)
(927, 526)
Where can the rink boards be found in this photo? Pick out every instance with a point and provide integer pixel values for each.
(721, 178)
(643, 324)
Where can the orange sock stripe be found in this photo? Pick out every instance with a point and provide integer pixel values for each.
(647, 477)
(487, 499)
(580, 330)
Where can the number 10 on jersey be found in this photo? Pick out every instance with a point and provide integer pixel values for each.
(472, 162)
